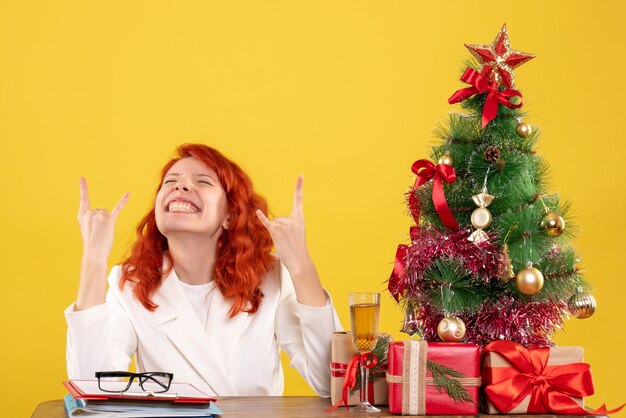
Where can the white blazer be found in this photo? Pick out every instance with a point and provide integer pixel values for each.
(232, 357)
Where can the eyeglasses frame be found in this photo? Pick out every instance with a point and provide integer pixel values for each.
(141, 378)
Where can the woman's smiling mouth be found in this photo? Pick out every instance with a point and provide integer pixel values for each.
(182, 206)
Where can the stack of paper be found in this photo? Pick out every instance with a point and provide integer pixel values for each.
(181, 400)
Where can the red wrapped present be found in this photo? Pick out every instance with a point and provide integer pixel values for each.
(433, 378)
(342, 351)
(536, 381)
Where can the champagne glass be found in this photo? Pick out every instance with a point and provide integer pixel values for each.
(364, 312)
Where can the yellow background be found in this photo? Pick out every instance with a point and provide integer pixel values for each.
(346, 92)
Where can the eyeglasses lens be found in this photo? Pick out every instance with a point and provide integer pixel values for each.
(114, 384)
(155, 382)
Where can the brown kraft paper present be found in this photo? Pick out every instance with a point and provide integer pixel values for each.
(341, 353)
(558, 356)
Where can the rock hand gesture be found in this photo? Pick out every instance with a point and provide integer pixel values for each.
(97, 227)
(290, 241)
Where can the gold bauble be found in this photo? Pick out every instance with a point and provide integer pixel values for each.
(481, 218)
(553, 224)
(524, 129)
(446, 159)
(451, 329)
(529, 280)
(581, 305)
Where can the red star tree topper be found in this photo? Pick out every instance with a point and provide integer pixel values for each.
(500, 59)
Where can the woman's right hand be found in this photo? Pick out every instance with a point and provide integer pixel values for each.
(97, 227)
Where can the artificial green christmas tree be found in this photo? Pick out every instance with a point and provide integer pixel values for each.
(490, 255)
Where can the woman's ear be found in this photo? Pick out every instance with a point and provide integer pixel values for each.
(226, 223)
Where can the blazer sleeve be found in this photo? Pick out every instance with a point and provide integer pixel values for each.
(101, 337)
(305, 334)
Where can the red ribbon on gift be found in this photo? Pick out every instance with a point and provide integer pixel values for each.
(349, 382)
(339, 370)
(551, 388)
(425, 171)
(480, 84)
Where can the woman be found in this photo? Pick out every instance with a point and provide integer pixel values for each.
(200, 294)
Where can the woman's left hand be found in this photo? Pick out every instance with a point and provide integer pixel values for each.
(290, 242)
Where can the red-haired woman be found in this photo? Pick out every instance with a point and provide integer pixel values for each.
(201, 295)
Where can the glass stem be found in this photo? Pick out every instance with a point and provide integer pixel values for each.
(365, 374)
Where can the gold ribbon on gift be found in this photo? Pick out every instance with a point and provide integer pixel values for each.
(465, 381)
(414, 380)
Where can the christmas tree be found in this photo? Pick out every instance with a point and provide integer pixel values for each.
(490, 257)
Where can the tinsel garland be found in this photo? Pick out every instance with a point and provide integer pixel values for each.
(430, 244)
(527, 323)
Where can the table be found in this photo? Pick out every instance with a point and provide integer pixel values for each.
(277, 407)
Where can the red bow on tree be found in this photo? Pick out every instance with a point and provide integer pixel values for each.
(480, 84)
(551, 388)
(425, 171)
(396, 280)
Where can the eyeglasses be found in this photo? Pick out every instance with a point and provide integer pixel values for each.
(119, 382)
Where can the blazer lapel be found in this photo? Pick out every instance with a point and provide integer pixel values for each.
(226, 332)
(179, 322)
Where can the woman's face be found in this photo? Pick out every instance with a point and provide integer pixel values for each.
(191, 200)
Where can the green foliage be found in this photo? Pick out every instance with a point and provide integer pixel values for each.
(444, 379)
(562, 275)
(521, 227)
(527, 242)
(513, 181)
(460, 129)
(450, 286)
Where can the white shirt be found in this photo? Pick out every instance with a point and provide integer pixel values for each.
(199, 296)
(237, 356)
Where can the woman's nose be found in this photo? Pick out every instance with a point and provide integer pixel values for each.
(181, 184)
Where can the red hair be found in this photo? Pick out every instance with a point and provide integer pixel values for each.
(243, 250)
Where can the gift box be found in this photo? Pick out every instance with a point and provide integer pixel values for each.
(534, 381)
(433, 378)
(342, 351)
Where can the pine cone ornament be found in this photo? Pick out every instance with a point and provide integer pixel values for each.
(492, 154)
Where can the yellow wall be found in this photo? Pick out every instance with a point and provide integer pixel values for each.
(346, 92)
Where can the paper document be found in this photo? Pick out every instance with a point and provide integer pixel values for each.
(75, 408)
(177, 390)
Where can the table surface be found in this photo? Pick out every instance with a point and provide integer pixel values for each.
(279, 407)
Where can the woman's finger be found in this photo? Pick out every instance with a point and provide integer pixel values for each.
(266, 222)
(297, 211)
(84, 204)
(120, 205)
